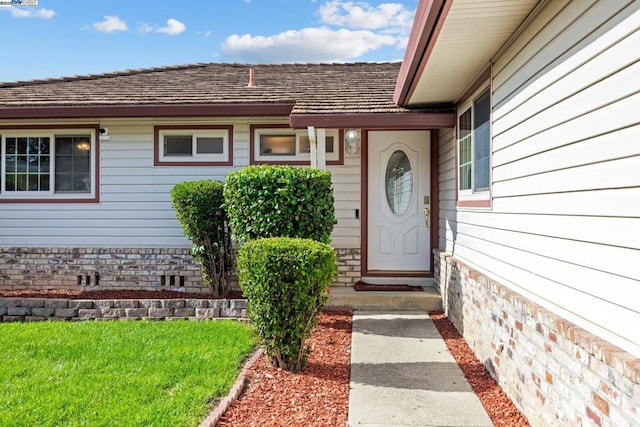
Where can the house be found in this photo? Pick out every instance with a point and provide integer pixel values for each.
(500, 160)
(89, 162)
(539, 195)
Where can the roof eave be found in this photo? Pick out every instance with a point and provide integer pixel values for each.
(409, 120)
(150, 110)
(430, 16)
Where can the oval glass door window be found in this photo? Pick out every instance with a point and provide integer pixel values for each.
(399, 183)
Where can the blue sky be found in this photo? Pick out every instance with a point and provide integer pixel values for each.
(76, 37)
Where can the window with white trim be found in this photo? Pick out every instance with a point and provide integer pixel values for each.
(45, 165)
(474, 147)
(190, 145)
(287, 145)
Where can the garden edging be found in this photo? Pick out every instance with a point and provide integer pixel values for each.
(40, 309)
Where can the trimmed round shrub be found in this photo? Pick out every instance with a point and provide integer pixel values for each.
(285, 281)
(199, 209)
(272, 201)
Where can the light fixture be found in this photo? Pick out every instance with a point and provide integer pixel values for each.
(351, 138)
(83, 145)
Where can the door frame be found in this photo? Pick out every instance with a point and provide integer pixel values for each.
(434, 217)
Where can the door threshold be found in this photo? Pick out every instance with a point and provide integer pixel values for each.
(398, 280)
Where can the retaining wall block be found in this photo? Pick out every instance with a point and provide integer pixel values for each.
(150, 303)
(3, 311)
(89, 313)
(233, 312)
(13, 318)
(218, 303)
(106, 303)
(56, 303)
(238, 303)
(184, 312)
(196, 303)
(42, 311)
(126, 303)
(207, 313)
(160, 313)
(32, 302)
(10, 302)
(136, 312)
(65, 313)
(80, 303)
(18, 311)
(112, 313)
(173, 303)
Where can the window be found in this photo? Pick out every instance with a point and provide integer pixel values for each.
(193, 145)
(279, 144)
(474, 146)
(44, 165)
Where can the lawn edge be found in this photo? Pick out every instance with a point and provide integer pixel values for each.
(222, 407)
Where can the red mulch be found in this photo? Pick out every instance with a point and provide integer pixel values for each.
(110, 294)
(319, 396)
(500, 408)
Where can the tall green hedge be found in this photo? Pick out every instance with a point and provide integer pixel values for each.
(199, 209)
(285, 281)
(269, 201)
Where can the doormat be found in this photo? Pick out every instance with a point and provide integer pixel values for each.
(362, 286)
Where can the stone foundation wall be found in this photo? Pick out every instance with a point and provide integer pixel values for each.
(38, 309)
(122, 268)
(557, 373)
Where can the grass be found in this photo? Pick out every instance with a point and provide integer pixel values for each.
(117, 373)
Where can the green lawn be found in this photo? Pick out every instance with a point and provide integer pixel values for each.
(117, 373)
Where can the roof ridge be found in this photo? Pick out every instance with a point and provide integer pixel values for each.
(127, 72)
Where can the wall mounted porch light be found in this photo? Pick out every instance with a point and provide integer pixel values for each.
(351, 139)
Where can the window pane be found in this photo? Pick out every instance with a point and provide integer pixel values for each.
(399, 183)
(27, 163)
(481, 139)
(210, 145)
(278, 145)
(329, 144)
(464, 150)
(305, 145)
(73, 159)
(178, 145)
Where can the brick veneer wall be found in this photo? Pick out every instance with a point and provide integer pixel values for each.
(122, 268)
(556, 372)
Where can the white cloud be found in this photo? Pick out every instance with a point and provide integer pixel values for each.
(388, 17)
(110, 24)
(23, 12)
(173, 28)
(306, 45)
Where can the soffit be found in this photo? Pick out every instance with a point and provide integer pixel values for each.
(472, 33)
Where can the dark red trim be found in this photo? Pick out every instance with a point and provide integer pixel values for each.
(156, 145)
(430, 16)
(375, 121)
(156, 110)
(96, 194)
(252, 148)
(435, 194)
(364, 208)
(483, 203)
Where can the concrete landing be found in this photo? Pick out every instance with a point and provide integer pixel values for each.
(403, 375)
(428, 300)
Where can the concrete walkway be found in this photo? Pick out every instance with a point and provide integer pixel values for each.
(403, 375)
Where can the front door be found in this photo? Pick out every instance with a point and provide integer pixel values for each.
(398, 201)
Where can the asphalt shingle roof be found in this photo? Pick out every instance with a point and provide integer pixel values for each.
(313, 88)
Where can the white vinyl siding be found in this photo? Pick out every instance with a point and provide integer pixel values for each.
(135, 207)
(565, 220)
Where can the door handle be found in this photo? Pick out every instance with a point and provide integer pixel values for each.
(426, 218)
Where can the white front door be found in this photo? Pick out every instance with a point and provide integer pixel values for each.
(398, 194)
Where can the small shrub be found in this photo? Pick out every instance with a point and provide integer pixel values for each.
(285, 281)
(272, 201)
(198, 206)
